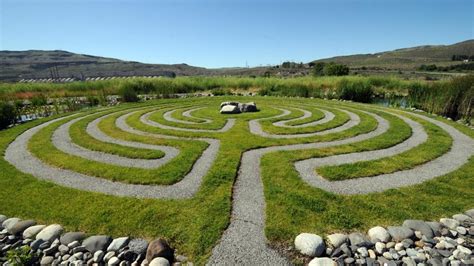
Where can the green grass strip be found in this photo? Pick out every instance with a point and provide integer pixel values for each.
(41, 146)
(339, 119)
(218, 120)
(80, 137)
(316, 115)
(438, 143)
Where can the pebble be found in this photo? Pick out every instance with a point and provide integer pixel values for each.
(118, 244)
(98, 256)
(379, 247)
(363, 252)
(317, 262)
(378, 233)
(308, 244)
(50, 232)
(46, 260)
(32, 231)
(399, 233)
(114, 261)
(336, 240)
(450, 223)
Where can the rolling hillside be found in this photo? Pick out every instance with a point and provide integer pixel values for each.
(407, 58)
(35, 64)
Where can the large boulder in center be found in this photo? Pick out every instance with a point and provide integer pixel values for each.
(229, 103)
(248, 107)
(230, 109)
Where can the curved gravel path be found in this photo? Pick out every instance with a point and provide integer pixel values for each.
(19, 156)
(461, 150)
(145, 119)
(328, 116)
(169, 117)
(256, 128)
(244, 241)
(62, 140)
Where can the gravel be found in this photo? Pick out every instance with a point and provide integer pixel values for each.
(461, 150)
(145, 119)
(18, 155)
(62, 140)
(256, 128)
(328, 116)
(168, 116)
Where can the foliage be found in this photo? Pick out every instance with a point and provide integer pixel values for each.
(20, 256)
(453, 98)
(334, 69)
(129, 94)
(318, 69)
(7, 114)
(357, 91)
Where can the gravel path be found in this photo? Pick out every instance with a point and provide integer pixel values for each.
(328, 116)
(461, 150)
(168, 116)
(18, 155)
(256, 128)
(145, 119)
(244, 241)
(62, 140)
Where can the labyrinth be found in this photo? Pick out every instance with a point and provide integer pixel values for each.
(236, 188)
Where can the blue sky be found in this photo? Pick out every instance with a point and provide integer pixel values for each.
(227, 33)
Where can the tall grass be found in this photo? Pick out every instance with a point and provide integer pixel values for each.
(450, 98)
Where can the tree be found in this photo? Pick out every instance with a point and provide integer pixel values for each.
(318, 69)
(333, 69)
(7, 115)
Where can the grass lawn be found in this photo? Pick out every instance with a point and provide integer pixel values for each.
(194, 226)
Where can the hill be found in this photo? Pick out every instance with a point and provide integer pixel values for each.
(408, 58)
(36, 64)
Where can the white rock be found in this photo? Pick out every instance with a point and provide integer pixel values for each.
(10, 222)
(230, 109)
(159, 261)
(450, 223)
(461, 217)
(398, 246)
(464, 250)
(378, 233)
(322, 262)
(113, 261)
(336, 240)
(379, 247)
(310, 244)
(98, 256)
(461, 230)
(50, 232)
(118, 243)
(32, 231)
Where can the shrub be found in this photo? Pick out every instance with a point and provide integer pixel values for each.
(128, 94)
(7, 114)
(20, 256)
(318, 69)
(333, 69)
(356, 90)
